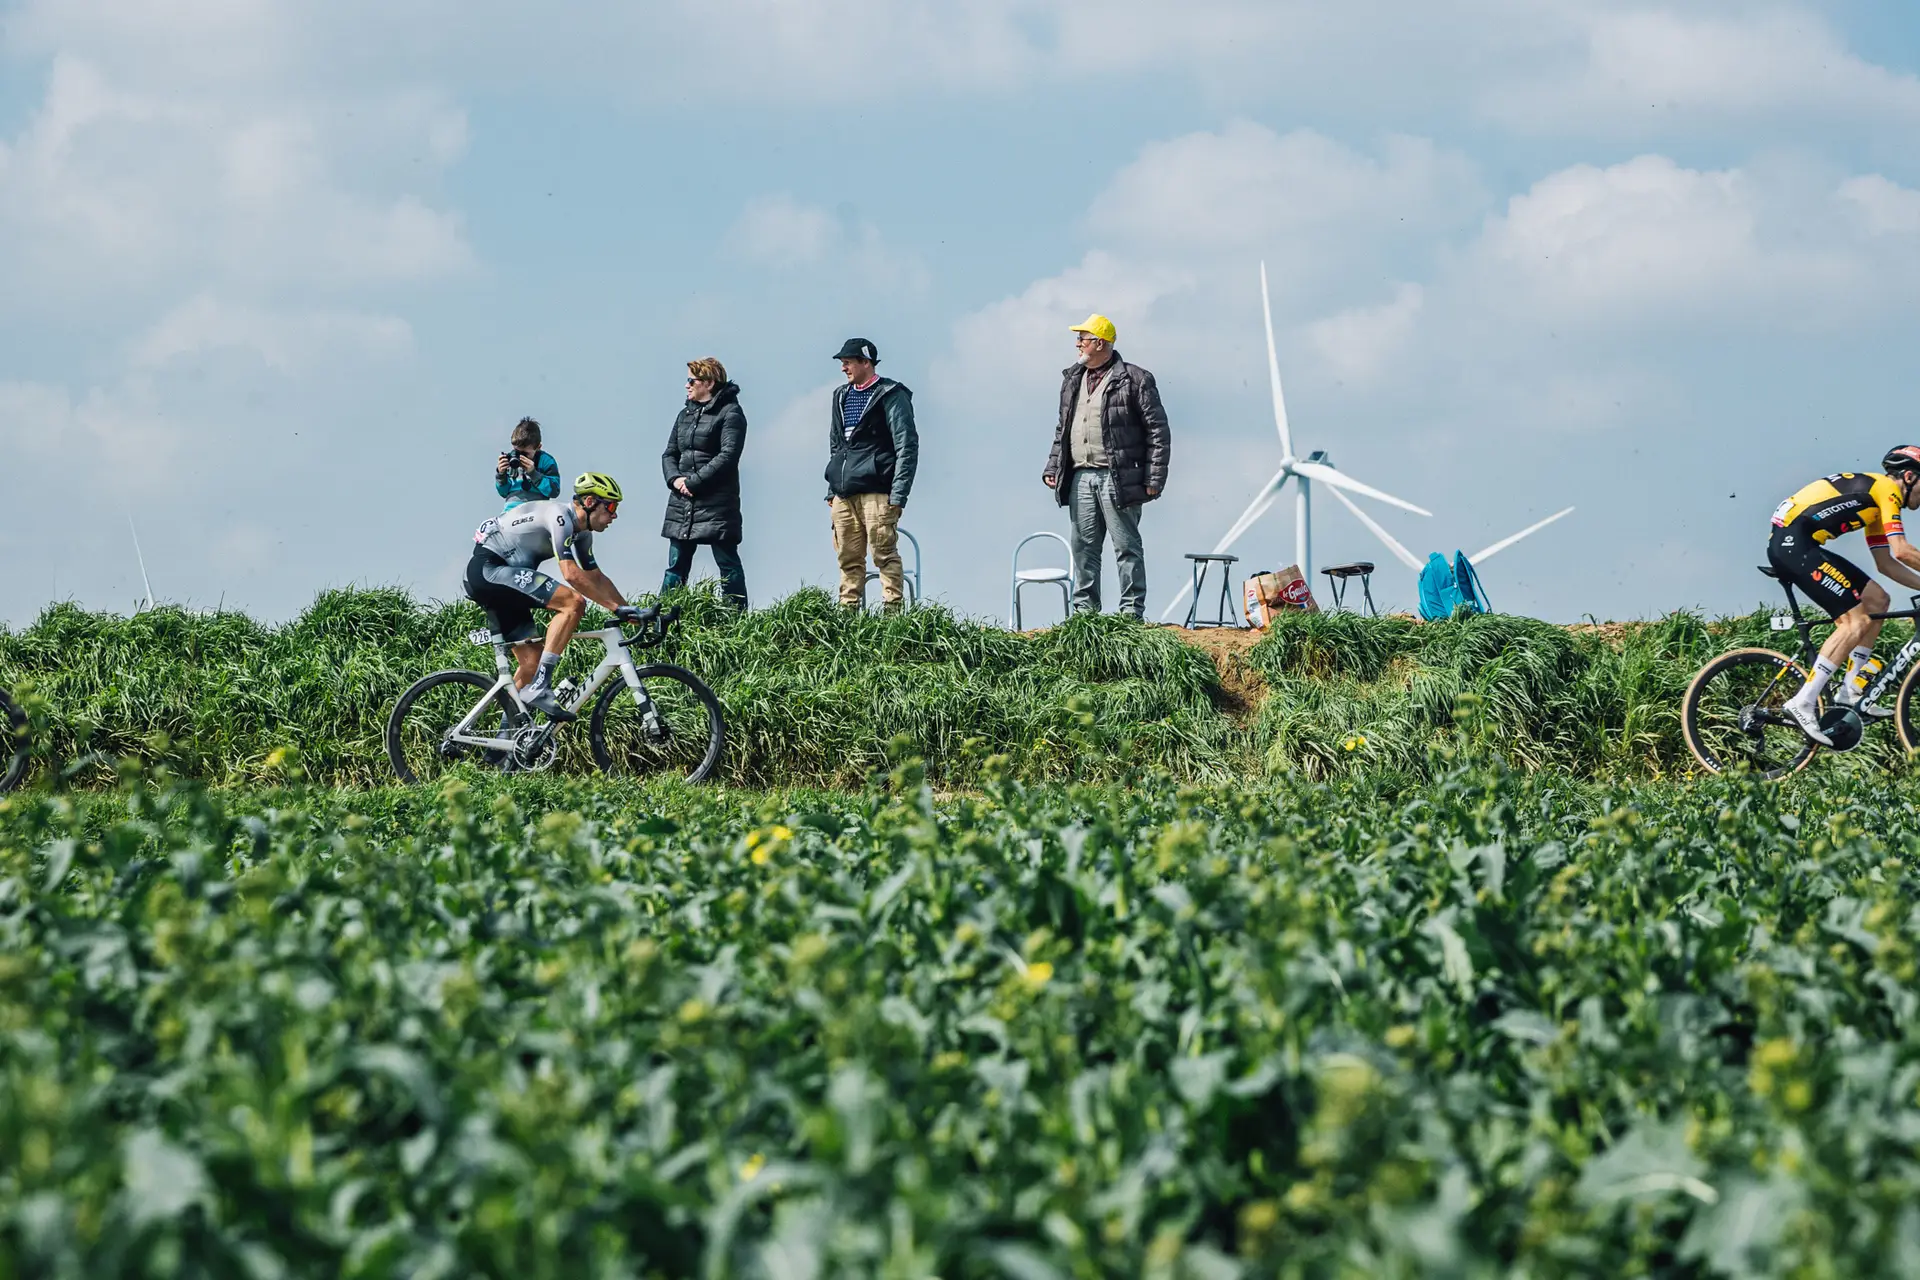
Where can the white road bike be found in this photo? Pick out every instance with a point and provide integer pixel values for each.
(655, 720)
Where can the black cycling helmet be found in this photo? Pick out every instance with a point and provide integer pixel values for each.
(1905, 457)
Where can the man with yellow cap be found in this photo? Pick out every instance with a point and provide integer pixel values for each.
(1110, 451)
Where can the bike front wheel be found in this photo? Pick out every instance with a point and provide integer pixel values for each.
(1905, 712)
(677, 731)
(422, 723)
(13, 743)
(1734, 714)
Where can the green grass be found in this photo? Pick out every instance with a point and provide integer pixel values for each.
(1350, 695)
(1492, 1024)
(814, 694)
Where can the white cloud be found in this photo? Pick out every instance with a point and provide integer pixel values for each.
(1884, 207)
(108, 188)
(784, 233)
(780, 231)
(288, 343)
(1650, 68)
(1247, 188)
(1651, 242)
(1357, 343)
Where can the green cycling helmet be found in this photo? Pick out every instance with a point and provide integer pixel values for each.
(597, 483)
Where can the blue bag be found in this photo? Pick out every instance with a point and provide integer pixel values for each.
(1446, 588)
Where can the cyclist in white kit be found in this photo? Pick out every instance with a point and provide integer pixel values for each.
(504, 578)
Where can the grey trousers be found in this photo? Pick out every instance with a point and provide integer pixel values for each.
(1095, 514)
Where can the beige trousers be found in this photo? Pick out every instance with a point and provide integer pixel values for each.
(859, 522)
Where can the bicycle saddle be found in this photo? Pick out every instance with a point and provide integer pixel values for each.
(1770, 571)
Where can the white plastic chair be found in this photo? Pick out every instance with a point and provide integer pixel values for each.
(910, 578)
(1062, 578)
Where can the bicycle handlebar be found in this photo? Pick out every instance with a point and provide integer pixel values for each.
(651, 627)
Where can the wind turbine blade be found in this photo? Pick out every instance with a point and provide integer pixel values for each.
(1257, 508)
(1406, 556)
(1267, 497)
(1341, 480)
(1273, 370)
(141, 557)
(1510, 539)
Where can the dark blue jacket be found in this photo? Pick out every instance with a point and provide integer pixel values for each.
(885, 448)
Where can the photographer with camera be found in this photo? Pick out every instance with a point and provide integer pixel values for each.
(526, 473)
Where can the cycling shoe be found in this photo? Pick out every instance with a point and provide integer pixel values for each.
(1808, 718)
(547, 700)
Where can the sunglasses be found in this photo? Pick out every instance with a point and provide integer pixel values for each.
(691, 381)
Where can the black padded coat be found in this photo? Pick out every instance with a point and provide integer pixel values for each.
(1133, 426)
(704, 446)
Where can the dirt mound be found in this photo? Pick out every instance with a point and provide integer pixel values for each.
(1241, 687)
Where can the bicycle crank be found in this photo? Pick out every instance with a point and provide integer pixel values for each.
(534, 748)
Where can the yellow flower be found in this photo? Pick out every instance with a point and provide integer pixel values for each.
(751, 1167)
(693, 1011)
(1354, 743)
(1038, 975)
(761, 856)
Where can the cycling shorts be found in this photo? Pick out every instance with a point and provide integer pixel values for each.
(508, 594)
(1831, 581)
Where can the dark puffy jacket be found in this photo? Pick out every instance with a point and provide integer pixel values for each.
(884, 451)
(704, 446)
(1133, 426)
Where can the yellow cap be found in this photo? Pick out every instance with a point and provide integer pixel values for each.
(1097, 325)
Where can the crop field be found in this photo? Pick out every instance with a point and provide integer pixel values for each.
(1025, 962)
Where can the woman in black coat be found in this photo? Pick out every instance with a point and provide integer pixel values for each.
(701, 464)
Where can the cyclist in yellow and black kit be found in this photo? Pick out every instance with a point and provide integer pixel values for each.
(1803, 526)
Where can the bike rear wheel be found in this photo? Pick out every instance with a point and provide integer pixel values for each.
(685, 739)
(417, 745)
(13, 743)
(1734, 714)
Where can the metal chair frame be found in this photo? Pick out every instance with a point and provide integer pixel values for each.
(1339, 577)
(910, 577)
(1062, 578)
(1224, 615)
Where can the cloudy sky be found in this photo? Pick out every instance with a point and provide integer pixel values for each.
(276, 278)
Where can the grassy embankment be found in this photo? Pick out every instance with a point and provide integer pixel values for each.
(814, 695)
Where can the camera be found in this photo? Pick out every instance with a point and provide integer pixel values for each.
(514, 462)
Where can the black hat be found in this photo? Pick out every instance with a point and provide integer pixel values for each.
(858, 349)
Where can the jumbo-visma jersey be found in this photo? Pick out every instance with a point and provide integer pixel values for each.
(1843, 502)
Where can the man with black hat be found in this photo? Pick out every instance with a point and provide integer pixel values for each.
(872, 450)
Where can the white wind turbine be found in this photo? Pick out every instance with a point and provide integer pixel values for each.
(1475, 559)
(1303, 472)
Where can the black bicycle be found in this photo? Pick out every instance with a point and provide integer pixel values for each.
(668, 722)
(13, 743)
(1734, 714)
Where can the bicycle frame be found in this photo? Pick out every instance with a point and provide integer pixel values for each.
(617, 659)
(1889, 677)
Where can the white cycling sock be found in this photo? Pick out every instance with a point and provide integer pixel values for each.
(1856, 662)
(1823, 672)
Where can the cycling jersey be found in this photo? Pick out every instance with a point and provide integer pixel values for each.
(529, 535)
(1841, 503)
